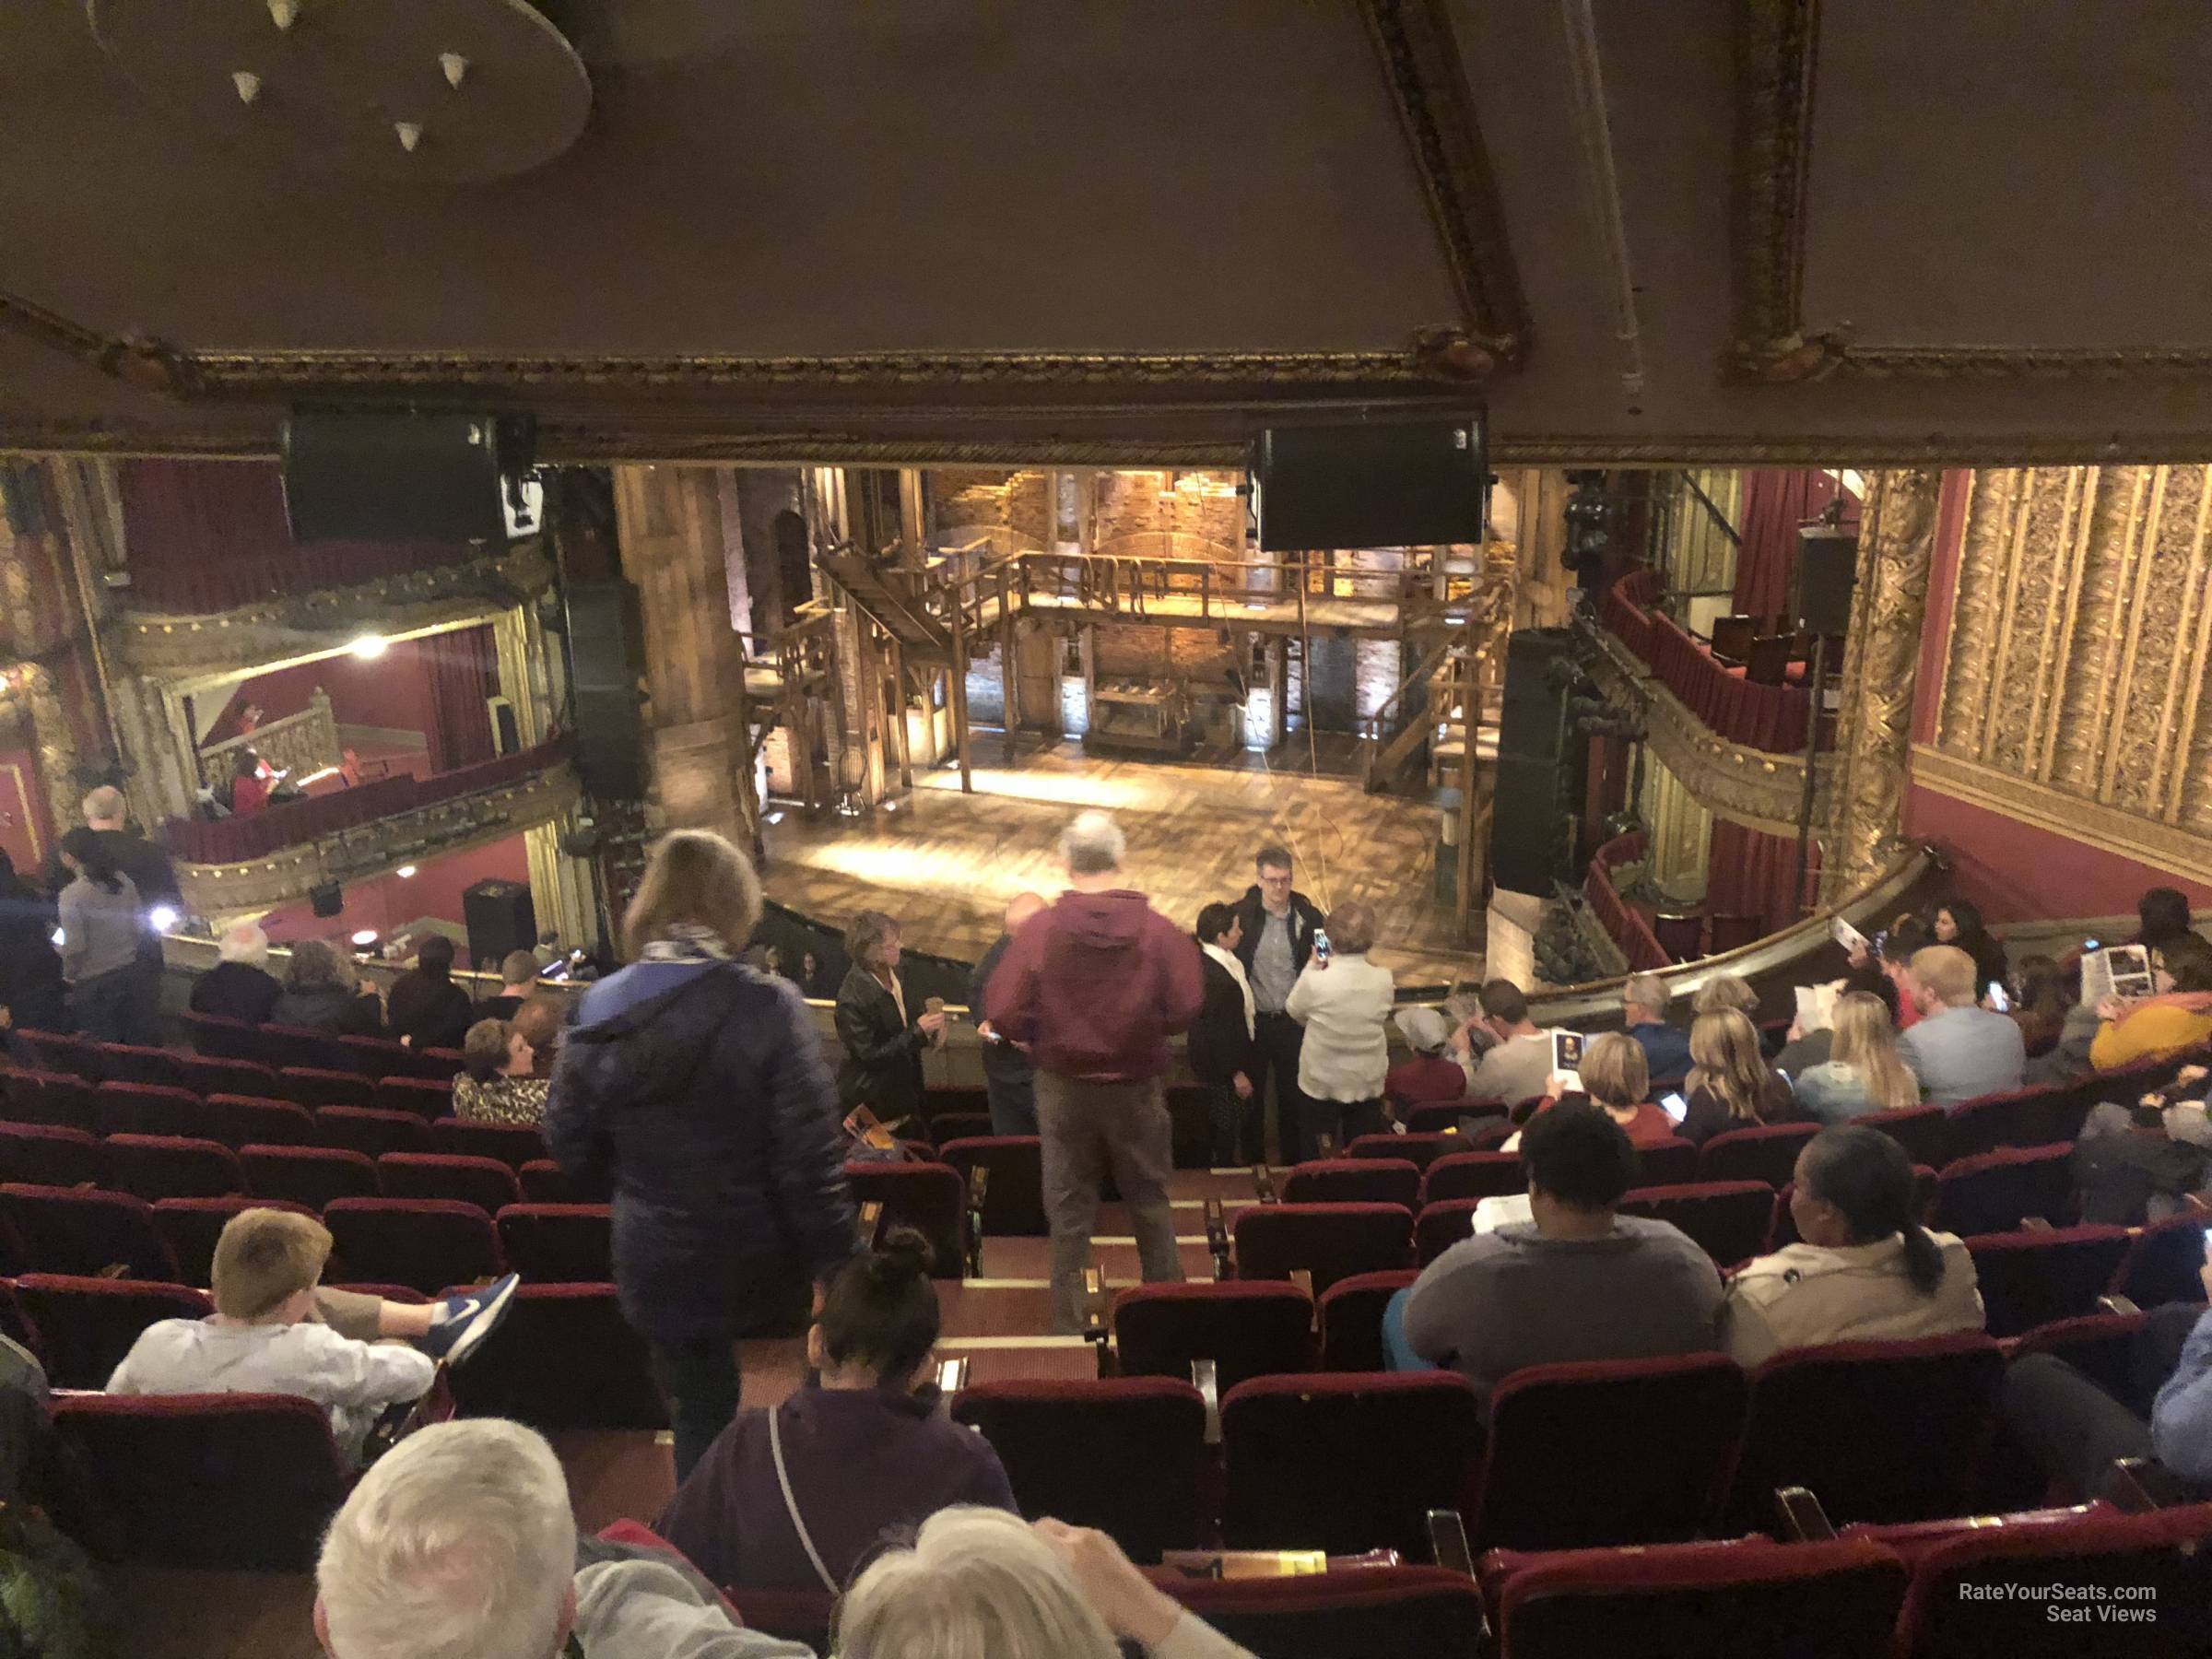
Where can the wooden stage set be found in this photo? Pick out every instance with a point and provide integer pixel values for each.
(945, 862)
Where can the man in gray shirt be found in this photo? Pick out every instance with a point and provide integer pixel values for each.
(1959, 1051)
(1577, 1283)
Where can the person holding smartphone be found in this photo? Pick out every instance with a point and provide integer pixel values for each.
(1343, 1002)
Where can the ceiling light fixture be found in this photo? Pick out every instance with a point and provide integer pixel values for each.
(455, 68)
(283, 13)
(410, 135)
(369, 647)
(366, 937)
(248, 84)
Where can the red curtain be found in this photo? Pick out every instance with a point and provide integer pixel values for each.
(1776, 500)
(1751, 872)
(464, 670)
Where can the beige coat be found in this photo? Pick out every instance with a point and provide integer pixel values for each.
(1805, 1296)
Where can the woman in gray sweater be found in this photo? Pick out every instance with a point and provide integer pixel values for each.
(100, 932)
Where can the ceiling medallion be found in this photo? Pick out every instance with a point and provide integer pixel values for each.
(416, 92)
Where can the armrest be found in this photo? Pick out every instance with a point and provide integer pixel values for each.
(2135, 1485)
(1205, 1377)
(1448, 1541)
(2116, 1304)
(1803, 1518)
(1262, 1182)
(1095, 1330)
(2036, 1224)
(1217, 1239)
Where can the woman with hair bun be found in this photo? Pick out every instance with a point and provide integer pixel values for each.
(797, 1497)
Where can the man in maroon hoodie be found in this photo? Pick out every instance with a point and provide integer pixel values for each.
(1094, 985)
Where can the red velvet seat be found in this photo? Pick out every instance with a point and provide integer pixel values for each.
(238, 1481)
(1346, 1463)
(1923, 1131)
(54, 1052)
(929, 1197)
(1878, 1430)
(513, 1145)
(372, 1057)
(564, 1358)
(207, 1076)
(1350, 1312)
(2100, 1346)
(1474, 1175)
(59, 1231)
(1248, 1327)
(135, 1063)
(1442, 1225)
(486, 1182)
(315, 1087)
(366, 1130)
(2164, 1263)
(172, 1166)
(1433, 1117)
(41, 1155)
(1670, 1162)
(544, 1182)
(312, 1176)
(421, 1243)
(2024, 1118)
(945, 1126)
(59, 1100)
(1747, 1598)
(1124, 1454)
(87, 1326)
(220, 1038)
(1013, 1204)
(1428, 1611)
(192, 1225)
(149, 1109)
(2035, 1278)
(247, 1121)
(1728, 1218)
(283, 1046)
(1359, 1180)
(1996, 1192)
(1420, 1150)
(1768, 1153)
(441, 1064)
(1327, 1240)
(559, 1243)
(1613, 1452)
(425, 1096)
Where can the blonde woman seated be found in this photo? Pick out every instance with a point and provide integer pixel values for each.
(1730, 1085)
(1864, 1072)
(1616, 1076)
(1864, 1270)
(499, 1082)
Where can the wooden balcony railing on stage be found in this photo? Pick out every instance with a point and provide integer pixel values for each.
(1623, 922)
(299, 745)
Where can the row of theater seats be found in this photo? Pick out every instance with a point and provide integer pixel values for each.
(333, 1151)
(270, 1113)
(270, 1047)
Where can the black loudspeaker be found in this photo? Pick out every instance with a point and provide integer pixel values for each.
(1396, 479)
(1530, 842)
(606, 656)
(326, 899)
(1828, 571)
(398, 478)
(500, 918)
(506, 732)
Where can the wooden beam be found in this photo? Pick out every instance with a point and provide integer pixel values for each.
(1008, 680)
(906, 757)
(958, 689)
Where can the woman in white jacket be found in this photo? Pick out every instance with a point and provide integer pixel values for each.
(1343, 1002)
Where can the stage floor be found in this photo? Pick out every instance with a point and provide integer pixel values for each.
(946, 863)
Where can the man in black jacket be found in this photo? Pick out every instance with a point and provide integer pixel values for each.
(1009, 1079)
(1223, 1052)
(161, 900)
(1278, 924)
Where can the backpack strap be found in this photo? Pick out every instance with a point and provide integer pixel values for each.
(791, 1502)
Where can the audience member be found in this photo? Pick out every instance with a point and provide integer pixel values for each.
(1094, 985)
(700, 1088)
(1730, 1085)
(1958, 1050)
(107, 815)
(1806, 1049)
(518, 979)
(549, 950)
(1432, 1077)
(33, 995)
(1643, 998)
(1344, 1003)
(1223, 1038)
(102, 927)
(2178, 1016)
(1009, 1080)
(240, 986)
(883, 1038)
(1864, 1270)
(1723, 992)
(424, 1007)
(1867, 1073)
(979, 1583)
(1909, 935)
(2164, 914)
(794, 1497)
(460, 1542)
(249, 790)
(1276, 924)
(1516, 1057)
(322, 992)
(1576, 1282)
(499, 1081)
(2130, 1167)
(268, 1333)
(538, 1023)
(1958, 925)
(2041, 1004)
(1616, 1078)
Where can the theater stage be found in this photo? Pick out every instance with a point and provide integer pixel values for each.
(946, 863)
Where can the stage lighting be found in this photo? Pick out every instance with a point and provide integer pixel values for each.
(405, 872)
(365, 939)
(369, 647)
(163, 917)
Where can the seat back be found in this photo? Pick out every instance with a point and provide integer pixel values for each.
(1425, 1610)
(1879, 1430)
(367, 1131)
(207, 1076)
(57, 1100)
(2164, 1263)
(315, 1087)
(191, 1226)
(1124, 1454)
(565, 1358)
(1671, 1162)
(930, 1198)
(149, 1109)
(1474, 1175)
(2100, 1346)
(172, 1166)
(486, 1182)
(958, 1126)
(238, 1481)
(1615, 1451)
(2035, 1278)
(312, 1176)
(372, 1057)
(87, 1326)
(1923, 1131)
(1357, 1179)
(1983, 1126)
(86, 1234)
(42, 1155)
(513, 1145)
(219, 1038)
(1346, 1463)
(425, 1096)
(544, 1182)
(424, 1243)
(1728, 1218)
(1433, 1117)
(240, 1121)
(1350, 1312)
(559, 1243)
(1767, 1153)
(1994, 1192)
(1248, 1328)
(52, 1051)
(1328, 1241)
(283, 1046)
(135, 1063)
(1014, 1203)
(1420, 1150)
(1442, 1225)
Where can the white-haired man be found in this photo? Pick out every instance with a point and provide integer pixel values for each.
(459, 1544)
(240, 986)
(1643, 1015)
(1094, 984)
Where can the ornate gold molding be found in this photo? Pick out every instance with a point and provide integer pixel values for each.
(2166, 847)
(1777, 62)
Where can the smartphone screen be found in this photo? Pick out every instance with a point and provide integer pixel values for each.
(1997, 998)
(1321, 943)
(1675, 1106)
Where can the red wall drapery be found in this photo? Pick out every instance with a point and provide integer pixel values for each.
(1776, 502)
(1751, 872)
(464, 670)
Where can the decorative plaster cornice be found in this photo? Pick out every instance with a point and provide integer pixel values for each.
(2166, 847)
